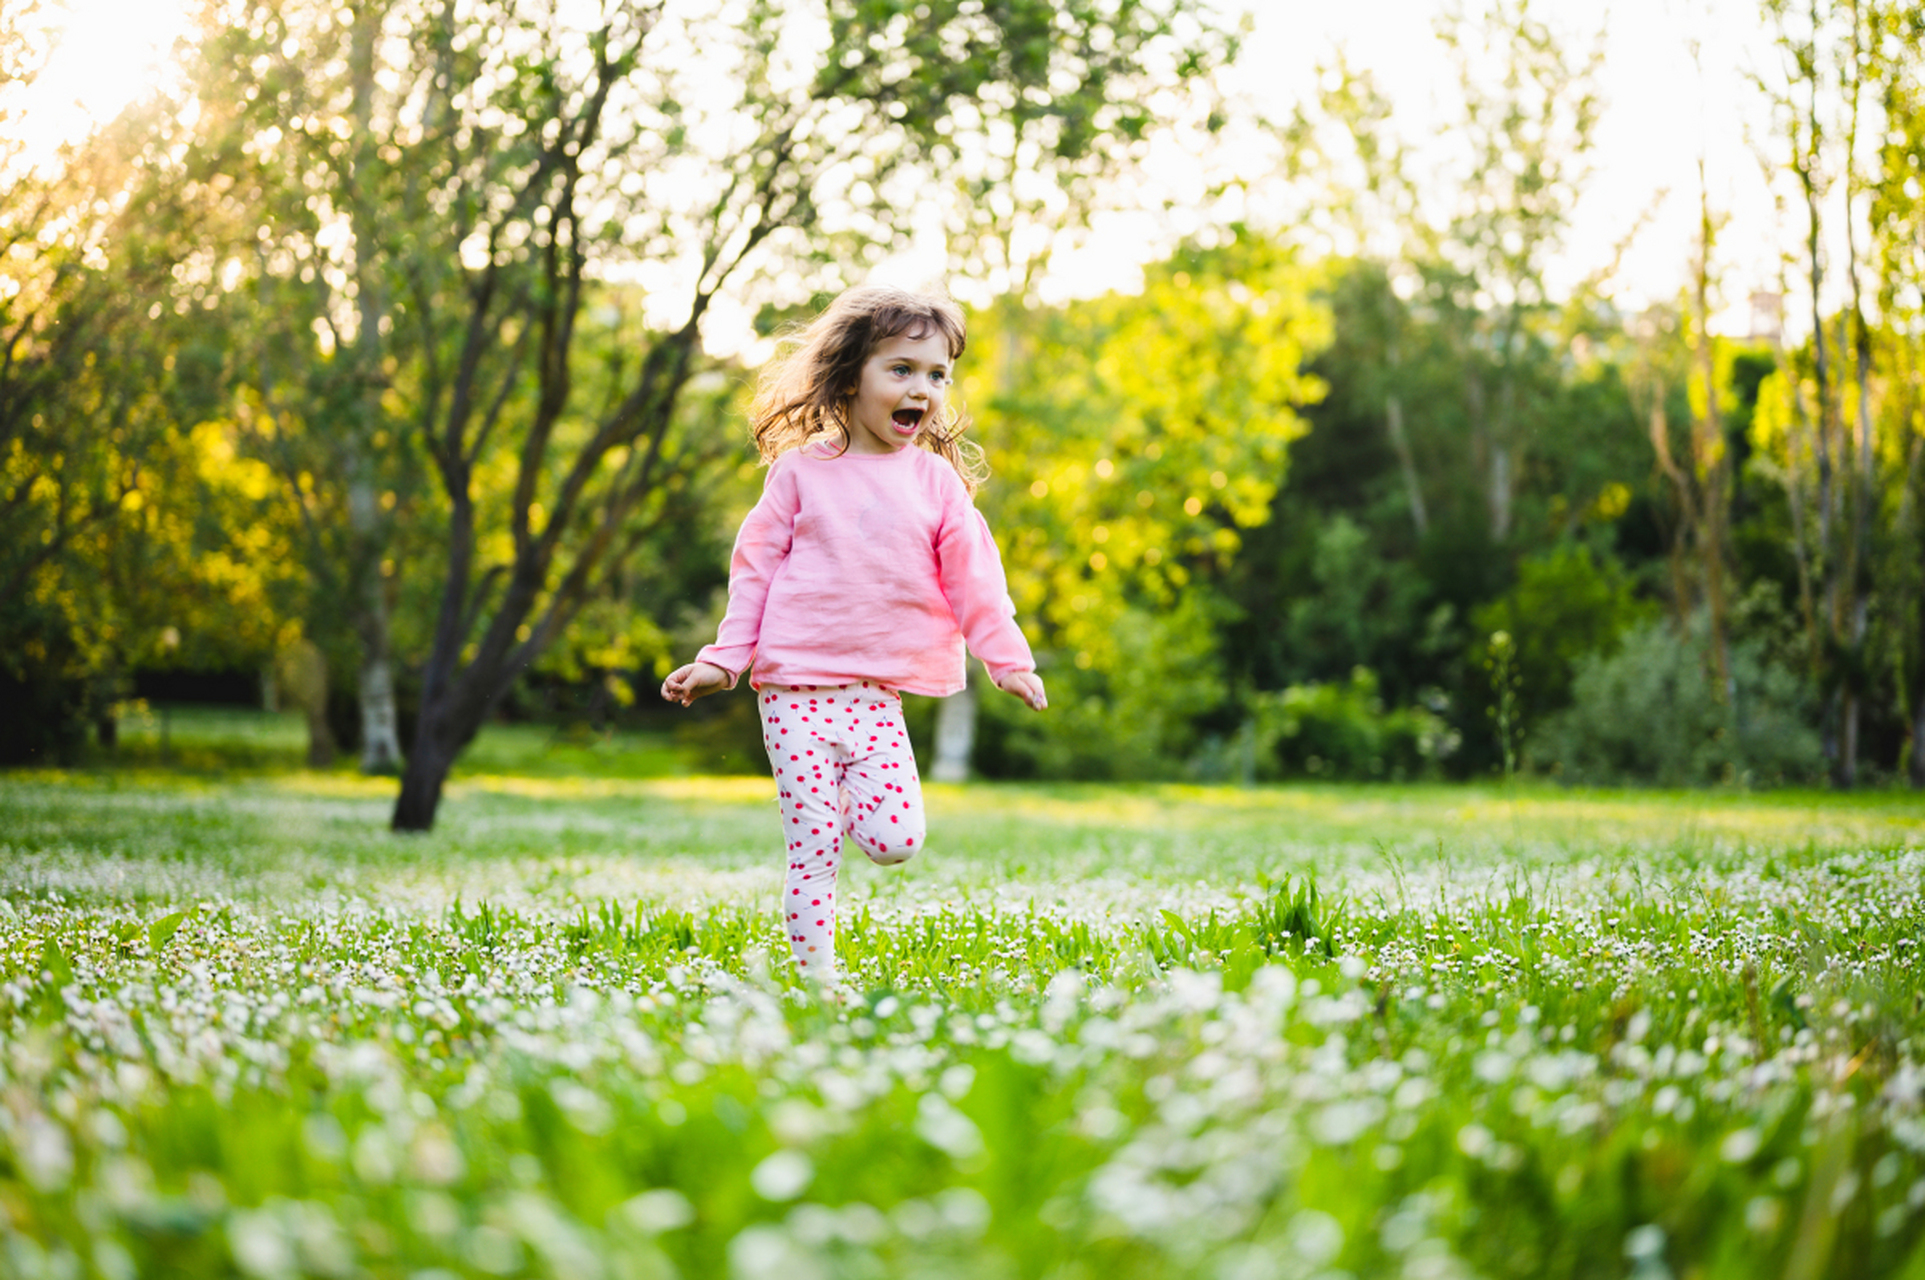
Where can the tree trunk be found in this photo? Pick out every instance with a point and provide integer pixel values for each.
(421, 781)
(1711, 456)
(1675, 558)
(380, 741)
(1918, 744)
(1800, 538)
(1500, 495)
(1848, 743)
(1827, 561)
(955, 733)
(1394, 419)
(380, 735)
(1829, 738)
(452, 712)
(304, 679)
(1413, 490)
(1507, 441)
(1918, 711)
(320, 741)
(380, 724)
(1502, 477)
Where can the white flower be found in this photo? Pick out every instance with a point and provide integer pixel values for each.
(1314, 1236)
(259, 1247)
(763, 1252)
(1739, 1145)
(46, 1154)
(782, 1176)
(947, 1129)
(663, 1209)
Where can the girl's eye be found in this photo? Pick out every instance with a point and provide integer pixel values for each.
(900, 370)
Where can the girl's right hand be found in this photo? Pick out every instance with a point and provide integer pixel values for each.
(687, 683)
(1026, 685)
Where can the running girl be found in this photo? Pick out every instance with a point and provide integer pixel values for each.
(857, 578)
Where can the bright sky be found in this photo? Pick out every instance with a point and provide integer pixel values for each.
(109, 52)
(1659, 115)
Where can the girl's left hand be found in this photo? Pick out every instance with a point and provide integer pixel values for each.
(1026, 685)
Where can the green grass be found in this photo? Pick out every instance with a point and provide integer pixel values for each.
(1094, 1031)
(200, 739)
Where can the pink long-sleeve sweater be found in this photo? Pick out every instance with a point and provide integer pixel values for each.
(866, 567)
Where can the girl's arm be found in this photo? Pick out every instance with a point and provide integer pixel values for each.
(971, 569)
(761, 546)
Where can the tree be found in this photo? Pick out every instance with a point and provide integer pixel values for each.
(1470, 246)
(120, 519)
(1896, 216)
(61, 470)
(302, 107)
(1841, 62)
(1677, 373)
(1528, 138)
(530, 154)
(1377, 203)
(1135, 439)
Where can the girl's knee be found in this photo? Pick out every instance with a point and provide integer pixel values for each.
(889, 848)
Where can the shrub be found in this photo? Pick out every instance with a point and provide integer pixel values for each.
(1566, 604)
(1651, 713)
(1342, 731)
(1132, 718)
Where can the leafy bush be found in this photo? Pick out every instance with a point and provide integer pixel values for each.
(1342, 731)
(1651, 713)
(1362, 605)
(1136, 719)
(1565, 605)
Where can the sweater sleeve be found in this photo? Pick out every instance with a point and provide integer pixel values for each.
(972, 581)
(761, 546)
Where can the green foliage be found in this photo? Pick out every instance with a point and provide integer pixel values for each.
(1342, 732)
(162, 931)
(1128, 718)
(1361, 604)
(130, 534)
(343, 341)
(1567, 603)
(1134, 440)
(1652, 713)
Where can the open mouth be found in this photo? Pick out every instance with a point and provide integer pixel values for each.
(907, 420)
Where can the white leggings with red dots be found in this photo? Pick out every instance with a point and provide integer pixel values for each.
(842, 765)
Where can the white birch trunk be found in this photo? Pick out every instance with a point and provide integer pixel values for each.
(955, 733)
(380, 724)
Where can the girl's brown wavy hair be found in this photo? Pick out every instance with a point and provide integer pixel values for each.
(803, 394)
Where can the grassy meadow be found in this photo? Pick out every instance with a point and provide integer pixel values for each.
(1094, 1031)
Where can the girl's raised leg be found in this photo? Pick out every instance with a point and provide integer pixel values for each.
(881, 791)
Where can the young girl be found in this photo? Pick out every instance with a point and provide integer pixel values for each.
(857, 578)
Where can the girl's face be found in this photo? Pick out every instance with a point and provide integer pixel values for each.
(904, 382)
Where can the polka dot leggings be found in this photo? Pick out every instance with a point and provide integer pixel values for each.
(843, 765)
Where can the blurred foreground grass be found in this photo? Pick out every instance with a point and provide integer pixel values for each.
(1094, 1031)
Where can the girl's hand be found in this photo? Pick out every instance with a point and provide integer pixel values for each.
(1026, 685)
(686, 684)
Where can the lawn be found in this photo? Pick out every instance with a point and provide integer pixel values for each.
(1094, 1031)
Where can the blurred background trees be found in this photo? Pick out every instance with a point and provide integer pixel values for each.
(374, 357)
